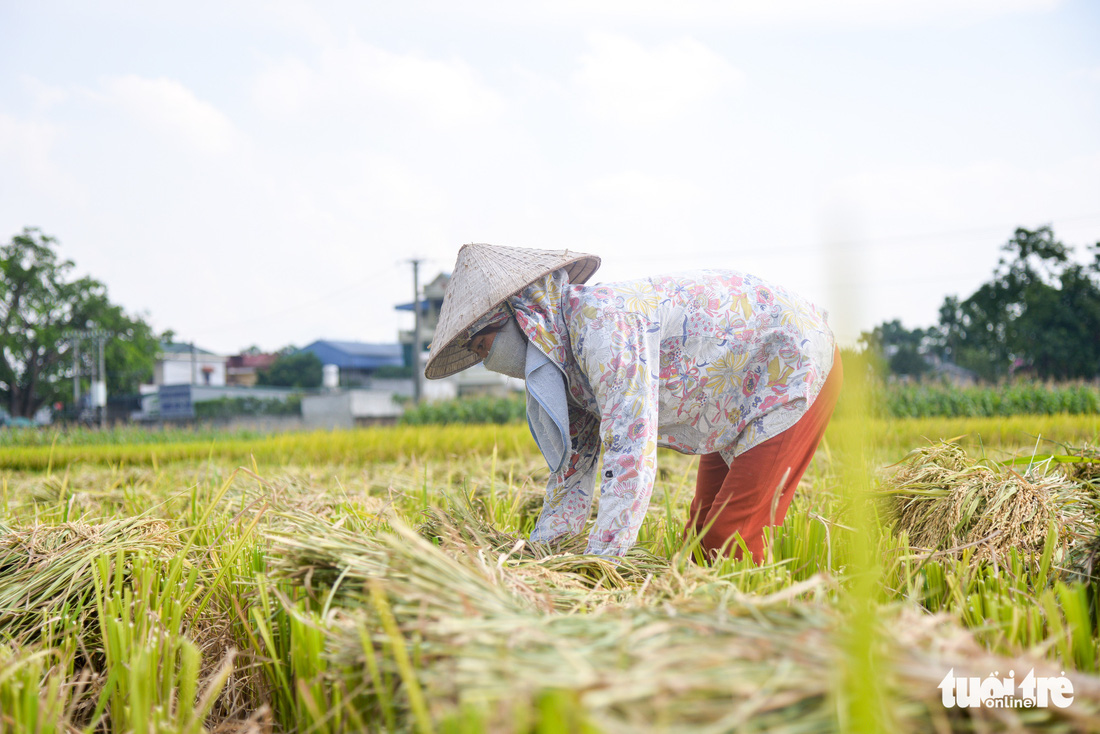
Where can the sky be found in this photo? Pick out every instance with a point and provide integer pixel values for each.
(261, 173)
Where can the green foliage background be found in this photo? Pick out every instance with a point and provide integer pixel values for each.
(40, 305)
(1038, 315)
(887, 400)
(248, 406)
(1025, 398)
(294, 369)
(484, 409)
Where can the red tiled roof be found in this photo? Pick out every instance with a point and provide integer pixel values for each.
(255, 361)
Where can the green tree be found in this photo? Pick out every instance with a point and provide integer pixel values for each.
(39, 306)
(292, 369)
(1040, 312)
(901, 350)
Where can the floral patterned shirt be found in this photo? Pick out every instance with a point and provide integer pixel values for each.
(701, 362)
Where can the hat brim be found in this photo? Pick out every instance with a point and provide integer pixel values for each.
(454, 356)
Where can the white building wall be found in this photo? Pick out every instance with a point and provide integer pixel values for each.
(444, 389)
(178, 371)
(342, 409)
(328, 411)
(374, 404)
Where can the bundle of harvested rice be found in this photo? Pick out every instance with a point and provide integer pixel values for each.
(47, 570)
(92, 490)
(467, 524)
(948, 503)
(1087, 467)
(486, 649)
(338, 565)
(48, 598)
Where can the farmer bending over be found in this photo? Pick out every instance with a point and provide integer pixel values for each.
(714, 362)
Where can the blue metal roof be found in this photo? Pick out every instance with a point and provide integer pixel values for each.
(356, 355)
(425, 304)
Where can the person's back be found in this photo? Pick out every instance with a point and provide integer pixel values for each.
(733, 348)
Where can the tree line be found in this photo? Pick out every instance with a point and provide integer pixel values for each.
(44, 308)
(1038, 316)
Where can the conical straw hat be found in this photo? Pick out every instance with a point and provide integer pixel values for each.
(484, 277)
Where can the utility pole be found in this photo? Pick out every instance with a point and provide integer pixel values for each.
(98, 391)
(102, 386)
(417, 372)
(75, 341)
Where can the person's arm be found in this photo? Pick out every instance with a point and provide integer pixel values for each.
(621, 359)
(569, 492)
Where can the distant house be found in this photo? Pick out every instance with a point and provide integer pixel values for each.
(177, 402)
(475, 380)
(358, 361)
(349, 408)
(953, 373)
(186, 364)
(242, 369)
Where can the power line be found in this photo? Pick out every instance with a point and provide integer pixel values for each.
(955, 278)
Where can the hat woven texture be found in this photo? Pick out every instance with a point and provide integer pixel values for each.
(484, 277)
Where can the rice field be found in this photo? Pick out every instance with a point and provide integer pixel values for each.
(379, 580)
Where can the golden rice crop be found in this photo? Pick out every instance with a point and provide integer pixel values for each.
(382, 580)
(947, 502)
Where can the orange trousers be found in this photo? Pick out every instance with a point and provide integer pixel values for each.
(742, 497)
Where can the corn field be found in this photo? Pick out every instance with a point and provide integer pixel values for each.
(380, 580)
(890, 400)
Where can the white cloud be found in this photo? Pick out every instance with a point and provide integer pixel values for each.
(644, 191)
(921, 232)
(42, 95)
(356, 75)
(986, 191)
(171, 109)
(1090, 74)
(787, 13)
(626, 83)
(27, 157)
(26, 141)
(375, 133)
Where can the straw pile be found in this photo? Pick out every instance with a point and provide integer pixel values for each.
(47, 596)
(1087, 467)
(948, 503)
(465, 527)
(47, 570)
(665, 654)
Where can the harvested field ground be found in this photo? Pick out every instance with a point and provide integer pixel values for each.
(379, 580)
